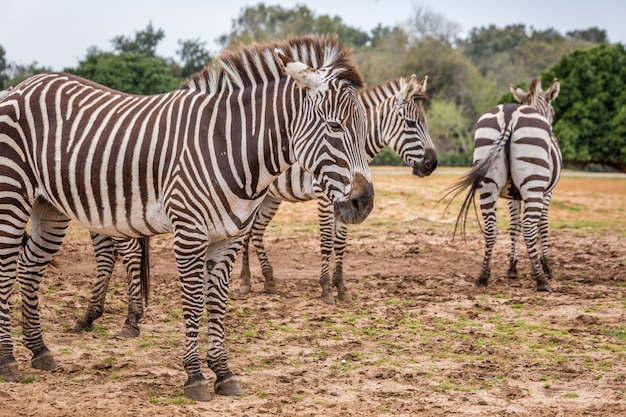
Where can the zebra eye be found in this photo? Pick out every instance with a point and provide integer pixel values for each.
(411, 123)
(335, 127)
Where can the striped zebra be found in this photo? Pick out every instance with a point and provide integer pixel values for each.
(516, 157)
(195, 162)
(395, 119)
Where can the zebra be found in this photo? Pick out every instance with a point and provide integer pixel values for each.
(396, 119)
(195, 162)
(516, 157)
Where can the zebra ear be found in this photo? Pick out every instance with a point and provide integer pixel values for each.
(553, 91)
(518, 93)
(305, 76)
(420, 90)
(409, 87)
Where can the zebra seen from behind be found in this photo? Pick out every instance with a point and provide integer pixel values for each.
(396, 119)
(517, 157)
(195, 162)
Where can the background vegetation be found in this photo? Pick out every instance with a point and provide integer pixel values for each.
(466, 76)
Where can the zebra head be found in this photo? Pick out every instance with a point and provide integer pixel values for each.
(538, 99)
(328, 135)
(408, 131)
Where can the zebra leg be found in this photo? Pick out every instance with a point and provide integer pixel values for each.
(47, 233)
(327, 235)
(533, 206)
(190, 259)
(246, 286)
(11, 236)
(222, 257)
(341, 233)
(131, 254)
(104, 250)
(514, 229)
(488, 207)
(262, 219)
(543, 237)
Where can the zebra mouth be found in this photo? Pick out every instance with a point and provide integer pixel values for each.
(426, 165)
(359, 203)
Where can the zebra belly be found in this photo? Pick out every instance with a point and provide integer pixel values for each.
(114, 220)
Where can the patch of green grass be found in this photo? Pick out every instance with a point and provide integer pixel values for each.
(30, 379)
(179, 399)
(100, 331)
(571, 395)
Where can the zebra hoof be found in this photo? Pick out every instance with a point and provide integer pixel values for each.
(44, 360)
(328, 298)
(269, 287)
(10, 371)
(481, 282)
(129, 332)
(81, 327)
(228, 386)
(545, 287)
(345, 296)
(197, 389)
(245, 289)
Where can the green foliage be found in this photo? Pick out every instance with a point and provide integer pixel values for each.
(387, 157)
(447, 127)
(514, 54)
(144, 43)
(262, 23)
(591, 107)
(193, 55)
(3, 66)
(128, 72)
(593, 35)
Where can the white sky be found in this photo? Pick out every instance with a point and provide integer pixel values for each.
(58, 33)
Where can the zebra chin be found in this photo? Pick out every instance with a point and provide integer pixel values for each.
(426, 166)
(359, 203)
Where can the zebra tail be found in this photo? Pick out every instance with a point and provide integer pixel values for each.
(473, 180)
(144, 269)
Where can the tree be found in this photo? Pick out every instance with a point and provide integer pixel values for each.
(425, 24)
(592, 35)
(3, 67)
(128, 72)
(193, 56)
(144, 43)
(263, 23)
(591, 107)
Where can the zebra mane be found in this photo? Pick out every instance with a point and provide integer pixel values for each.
(373, 96)
(258, 64)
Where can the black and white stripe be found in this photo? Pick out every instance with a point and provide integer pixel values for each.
(195, 162)
(395, 119)
(516, 157)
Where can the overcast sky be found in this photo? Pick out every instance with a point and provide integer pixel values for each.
(57, 33)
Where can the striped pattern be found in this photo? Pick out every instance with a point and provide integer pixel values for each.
(516, 157)
(395, 119)
(195, 162)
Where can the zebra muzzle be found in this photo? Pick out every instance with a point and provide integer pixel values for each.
(426, 166)
(359, 203)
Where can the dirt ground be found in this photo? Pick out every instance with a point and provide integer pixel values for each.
(419, 339)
